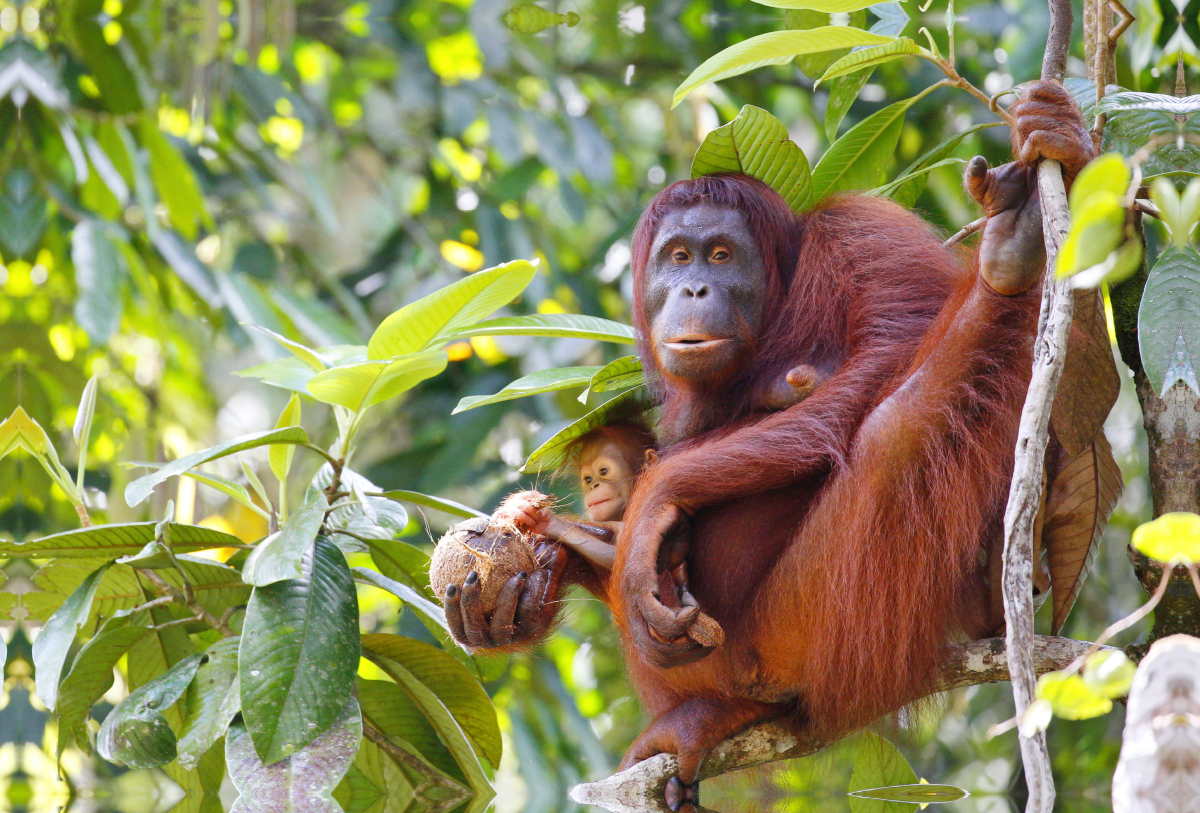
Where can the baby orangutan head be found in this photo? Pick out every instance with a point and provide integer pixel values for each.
(609, 459)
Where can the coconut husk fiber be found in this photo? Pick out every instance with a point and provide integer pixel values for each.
(495, 553)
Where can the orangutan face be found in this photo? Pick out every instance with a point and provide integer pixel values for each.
(606, 478)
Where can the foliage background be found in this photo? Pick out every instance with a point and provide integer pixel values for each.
(326, 162)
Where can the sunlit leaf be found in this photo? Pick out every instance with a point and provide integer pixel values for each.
(553, 325)
(1178, 212)
(559, 378)
(857, 159)
(1169, 321)
(757, 144)
(141, 488)
(916, 794)
(53, 643)
(135, 733)
(1109, 673)
(439, 503)
(1071, 698)
(1173, 537)
(1105, 175)
(358, 386)
(422, 324)
(552, 453)
(1096, 231)
(280, 457)
(876, 55)
(174, 180)
(620, 374)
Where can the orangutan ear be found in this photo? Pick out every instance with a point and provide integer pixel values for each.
(651, 457)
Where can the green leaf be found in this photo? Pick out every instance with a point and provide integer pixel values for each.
(299, 653)
(375, 783)
(559, 378)
(174, 181)
(368, 517)
(869, 57)
(921, 794)
(212, 702)
(408, 595)
(1169, 320)
(1178, 212)
(1109, 673)
(756, 144)
(278, 556)
(889, 189)
(423, 324)
(434, 707)
(214, 481)
(310, 357)
(906, 194)
(438, 503)
(111, 541)
(358, 386)
(304, 781)
(1132, 100)
(842, 93)
(1105, 176)
(140, 489)
(1071, 698)
(1097, 229)
(81, 429)
(287, 374)
(1173, 537)
(280, 457)
(554, 325)
(552, 453)
(828, 6)
(388, 708)
(877, 764)
(857, 159)
(91, 672)
(53, 643)
(621, 374)
(99, 280)
(774, 48)
(19, 431)
(135, 733)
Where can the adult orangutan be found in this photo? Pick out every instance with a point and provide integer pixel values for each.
(842, 541)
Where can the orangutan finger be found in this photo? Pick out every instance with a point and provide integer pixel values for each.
(503, 626)
(454, 620)
(529, 606)
(472, 608)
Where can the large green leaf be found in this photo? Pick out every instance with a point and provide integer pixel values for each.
(1169, 320)
(912, 180)
(755, 143)
(1133, 100)
(174, 180)
(875, 55)
(212, 701)
(53, 643)
(842, 93)
(389, 709)
(421, 325)
(553, 325)
(299, 653)
(99, 280)
(135, 733)
(358, 386)
(304, 781)
(558, 378)
(141, 488)
(774, 48)
(375, 783)
(552, 453)
(91, 672)
(278, 556)
(1129, 131)
(857, 159)
(288, 374)
(111, 541)
(441, 718)
(888, 190)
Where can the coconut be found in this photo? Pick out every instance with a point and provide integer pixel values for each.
(496, 554)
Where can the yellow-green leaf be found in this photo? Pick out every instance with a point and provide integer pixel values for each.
(1109, 673)
(280, 457)
(1108, 174)
(1172, 538)
(1070, 697)
(1097, 229)
(173, 178)
(877, 55)
(358, 386)
(757, 144)
(774, 48)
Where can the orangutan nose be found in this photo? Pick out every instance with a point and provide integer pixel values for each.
(698, 291)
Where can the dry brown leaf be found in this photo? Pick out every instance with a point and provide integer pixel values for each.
(1078, 506)
(1090, 382)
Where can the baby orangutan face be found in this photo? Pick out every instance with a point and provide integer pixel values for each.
(606, 477)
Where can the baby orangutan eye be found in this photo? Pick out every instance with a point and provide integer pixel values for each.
(604, 471)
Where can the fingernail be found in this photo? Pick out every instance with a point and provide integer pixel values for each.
(451, 591)
(472, 577)
(522, 575)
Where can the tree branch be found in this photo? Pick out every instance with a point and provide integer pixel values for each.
(1025, 492)
(640, 789)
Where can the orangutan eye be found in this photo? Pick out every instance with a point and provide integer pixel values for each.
(587, 481)
(681, 255)
(604, 471)
(720, 254)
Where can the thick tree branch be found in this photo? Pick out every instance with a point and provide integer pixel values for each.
(640, 789)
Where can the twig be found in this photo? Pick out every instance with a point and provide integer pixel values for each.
(1147, 207)
(966, 231)
(201, 614)
(640, 789)
(1024, 496)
